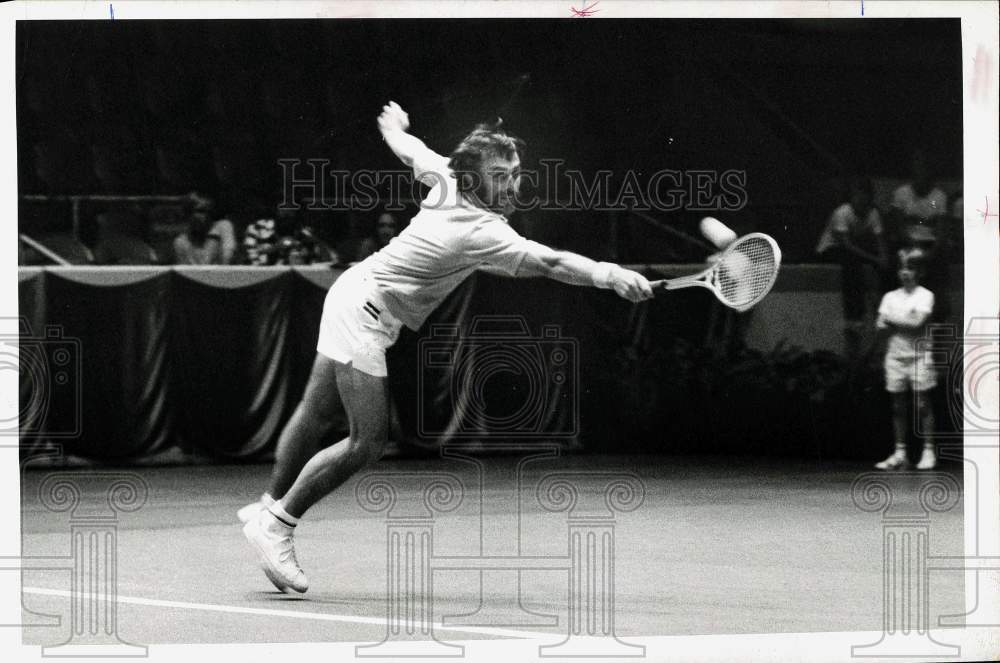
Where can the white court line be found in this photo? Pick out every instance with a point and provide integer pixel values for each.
(291, 614)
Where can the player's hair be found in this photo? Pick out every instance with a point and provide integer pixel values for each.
(483, 142)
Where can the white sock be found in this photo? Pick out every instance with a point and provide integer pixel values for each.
(281, 515)
(266, 500)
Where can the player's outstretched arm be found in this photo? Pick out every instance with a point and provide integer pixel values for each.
(393, 123)
(575, 269)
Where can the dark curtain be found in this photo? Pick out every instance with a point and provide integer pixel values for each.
(231, 360)
(30, 361)
(121, 365)
(513, 359)
(106, 346)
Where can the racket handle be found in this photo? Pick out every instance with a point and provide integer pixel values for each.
(662, 285)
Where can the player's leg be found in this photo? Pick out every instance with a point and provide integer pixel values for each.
(309, 429)
(366, 399)
(925, 414)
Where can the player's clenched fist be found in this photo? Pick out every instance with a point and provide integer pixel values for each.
(393, 118)
(633, 286)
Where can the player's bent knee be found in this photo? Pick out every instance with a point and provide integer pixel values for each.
(367, 449)
(319, 420)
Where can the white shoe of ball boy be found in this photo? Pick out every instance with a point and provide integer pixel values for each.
(897, 461)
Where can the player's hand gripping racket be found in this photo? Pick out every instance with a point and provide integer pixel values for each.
(743, 275)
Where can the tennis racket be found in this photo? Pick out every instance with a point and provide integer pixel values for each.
(743, 275)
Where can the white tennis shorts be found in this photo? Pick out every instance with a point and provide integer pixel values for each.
(909, 372)
(356, 328)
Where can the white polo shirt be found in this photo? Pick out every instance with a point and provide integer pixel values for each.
(446, 241)
(899, 303)
(906, 199)
(845, 220)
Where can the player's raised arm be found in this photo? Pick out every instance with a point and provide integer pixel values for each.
(428, 166)
(393, 123)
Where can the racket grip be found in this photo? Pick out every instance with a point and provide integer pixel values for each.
(660, 285)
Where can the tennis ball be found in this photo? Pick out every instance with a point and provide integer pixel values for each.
(719, 234)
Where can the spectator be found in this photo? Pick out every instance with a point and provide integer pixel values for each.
(385, 229)
(120, 240)
(854, 237)
(916, 205)
(920, 212)
(284, 240)
(904, 313)
(205, 242)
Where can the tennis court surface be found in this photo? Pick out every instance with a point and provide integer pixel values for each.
(690, 546)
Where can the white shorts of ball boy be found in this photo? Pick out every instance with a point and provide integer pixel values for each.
(913, 371)
(356, 328)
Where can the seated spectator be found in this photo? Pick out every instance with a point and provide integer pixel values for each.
(205, 242)
(119, 240)
(916, 205)
(854, 237)
(284, 240)
(385, 229)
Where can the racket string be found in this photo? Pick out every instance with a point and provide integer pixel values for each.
(747, 271)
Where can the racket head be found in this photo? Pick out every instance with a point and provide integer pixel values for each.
(746, 271)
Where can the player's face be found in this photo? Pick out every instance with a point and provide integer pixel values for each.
(501, 179)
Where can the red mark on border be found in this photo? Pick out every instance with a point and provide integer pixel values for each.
(986, 212)
(982, 75)
(586, 11)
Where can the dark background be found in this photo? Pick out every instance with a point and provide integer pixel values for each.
(168, 106)
(171, 361)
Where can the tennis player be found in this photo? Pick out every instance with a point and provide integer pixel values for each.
(460, 228)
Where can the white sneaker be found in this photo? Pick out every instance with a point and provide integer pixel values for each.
(248, 512)
(928, 459)
(897, 461)
(274, 545)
